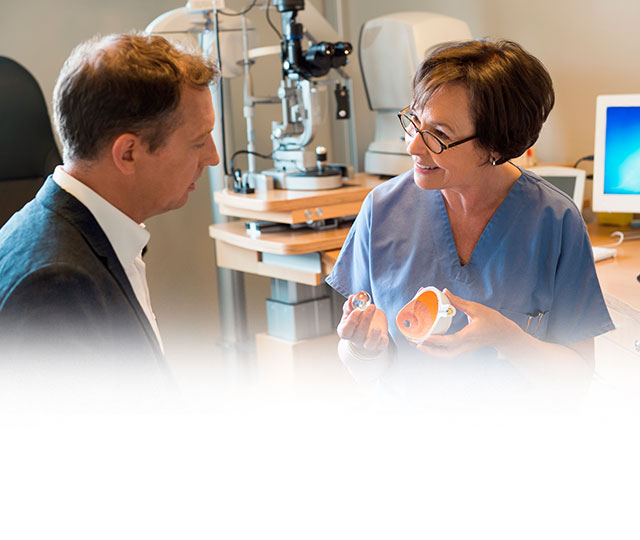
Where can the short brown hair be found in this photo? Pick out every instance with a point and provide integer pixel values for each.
(123, 83)
(510, 91)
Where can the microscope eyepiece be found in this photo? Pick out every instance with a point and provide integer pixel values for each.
(322, 57)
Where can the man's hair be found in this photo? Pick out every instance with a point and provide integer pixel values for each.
(123, 83)
(510, 91)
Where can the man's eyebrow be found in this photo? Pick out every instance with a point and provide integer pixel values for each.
(202, 135)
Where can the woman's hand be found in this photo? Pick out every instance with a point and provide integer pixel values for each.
(549, 363)
(367, 330)
(487, 328)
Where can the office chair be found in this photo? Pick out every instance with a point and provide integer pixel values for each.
(28, 151)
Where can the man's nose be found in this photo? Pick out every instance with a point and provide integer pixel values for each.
(213, 158)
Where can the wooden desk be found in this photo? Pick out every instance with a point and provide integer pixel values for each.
(287, 206)
(291, 242)
(618, 352)
(278, 254)
(618, 275)
(237, 250)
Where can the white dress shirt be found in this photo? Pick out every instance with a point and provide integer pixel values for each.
(127, 238)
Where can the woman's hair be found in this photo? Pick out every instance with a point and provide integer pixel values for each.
(510, 91)
(123, 83)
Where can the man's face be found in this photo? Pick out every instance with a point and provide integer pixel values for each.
(169, 174)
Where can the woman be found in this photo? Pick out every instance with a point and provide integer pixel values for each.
(511, 250)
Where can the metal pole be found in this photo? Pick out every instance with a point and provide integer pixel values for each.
(231, 291)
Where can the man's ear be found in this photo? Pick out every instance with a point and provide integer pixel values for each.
(124, 152)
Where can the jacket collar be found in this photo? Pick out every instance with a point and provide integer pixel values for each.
(54, 198)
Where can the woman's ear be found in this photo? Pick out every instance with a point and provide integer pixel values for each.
(494, 159)
(124, 151)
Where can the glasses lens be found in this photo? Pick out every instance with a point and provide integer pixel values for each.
(432, 143)
(408, 125)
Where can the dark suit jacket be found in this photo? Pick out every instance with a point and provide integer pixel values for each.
(65, 296)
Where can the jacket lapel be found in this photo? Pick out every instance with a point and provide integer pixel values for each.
(67, 206)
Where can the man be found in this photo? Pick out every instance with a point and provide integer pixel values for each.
(134, 116)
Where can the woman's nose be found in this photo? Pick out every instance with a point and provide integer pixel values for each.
(415, 144)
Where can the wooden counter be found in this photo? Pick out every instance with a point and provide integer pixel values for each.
(238, 251)
(618, 351)
(288, 206)
(618, 276)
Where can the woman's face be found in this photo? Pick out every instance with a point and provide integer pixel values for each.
(447, 115)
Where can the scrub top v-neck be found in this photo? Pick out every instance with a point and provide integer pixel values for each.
(533, 262)
(491, 235)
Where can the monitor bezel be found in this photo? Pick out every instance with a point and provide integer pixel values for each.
(578, 174)
(601, 201)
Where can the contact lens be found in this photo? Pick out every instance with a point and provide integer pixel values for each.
(361, 300)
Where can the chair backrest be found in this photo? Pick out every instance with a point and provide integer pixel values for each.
(28, 151)
(27, 146)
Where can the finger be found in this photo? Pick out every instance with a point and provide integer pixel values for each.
(348, 324)
(362, 330)
(460, 303)
(447, 346)
(436, 350)
(347, 307)
(372, 342)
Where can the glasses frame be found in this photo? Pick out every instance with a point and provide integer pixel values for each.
(443, 146)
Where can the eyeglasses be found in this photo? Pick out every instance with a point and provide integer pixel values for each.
(430, 140)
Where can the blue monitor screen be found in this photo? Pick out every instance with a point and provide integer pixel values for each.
(622, 159)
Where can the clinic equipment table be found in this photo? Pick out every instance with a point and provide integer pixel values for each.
(297, 260)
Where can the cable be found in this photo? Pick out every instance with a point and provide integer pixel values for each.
(585, 158)
(224, 142)
(364, 80)
(270, 23)
(238, 152)
(622, 237)
(246, 10)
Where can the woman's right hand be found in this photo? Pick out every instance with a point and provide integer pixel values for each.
(367, 330)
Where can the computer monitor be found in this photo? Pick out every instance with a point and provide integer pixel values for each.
(567, 179)
(616, 157)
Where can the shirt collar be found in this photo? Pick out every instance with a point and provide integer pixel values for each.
(127, 237)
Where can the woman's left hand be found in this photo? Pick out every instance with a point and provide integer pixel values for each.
(487, 328)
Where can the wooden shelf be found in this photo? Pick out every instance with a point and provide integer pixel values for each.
(288, 206)
(293, 242)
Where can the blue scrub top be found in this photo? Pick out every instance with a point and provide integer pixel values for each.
(533, 257)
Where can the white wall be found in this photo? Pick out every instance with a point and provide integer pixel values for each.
(589, 46)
